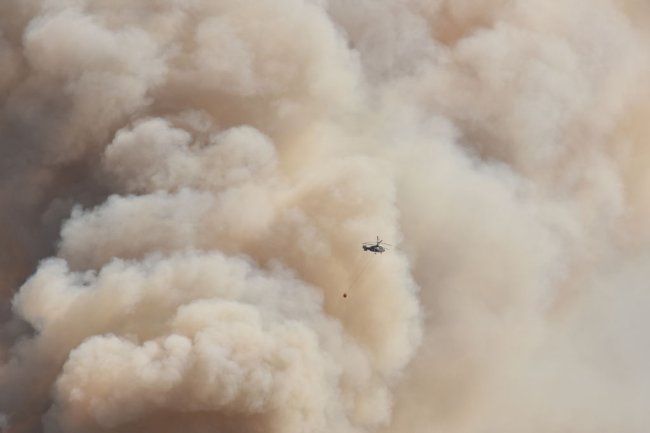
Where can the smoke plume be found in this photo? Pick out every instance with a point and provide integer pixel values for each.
(185, 186)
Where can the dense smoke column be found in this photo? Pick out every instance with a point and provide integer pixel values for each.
(185, 185)
(183, 165)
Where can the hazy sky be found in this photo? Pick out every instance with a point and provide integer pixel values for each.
(185, 186)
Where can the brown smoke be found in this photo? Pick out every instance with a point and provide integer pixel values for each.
(185, 185)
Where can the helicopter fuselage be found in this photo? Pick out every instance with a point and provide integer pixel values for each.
(374, 248)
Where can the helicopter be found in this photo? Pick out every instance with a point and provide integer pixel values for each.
(375, 247)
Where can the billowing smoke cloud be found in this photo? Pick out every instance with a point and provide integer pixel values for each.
(186, 185)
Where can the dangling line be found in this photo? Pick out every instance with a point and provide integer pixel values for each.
(357, 275)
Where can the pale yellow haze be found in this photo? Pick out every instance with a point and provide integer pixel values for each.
(185, 186)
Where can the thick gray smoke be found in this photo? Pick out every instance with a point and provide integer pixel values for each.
(185, 185)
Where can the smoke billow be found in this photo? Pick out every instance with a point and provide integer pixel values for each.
(185, 185)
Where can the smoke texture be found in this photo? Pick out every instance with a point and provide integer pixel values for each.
(185, 186)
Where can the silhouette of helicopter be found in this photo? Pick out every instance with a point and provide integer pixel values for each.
(374, 247)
